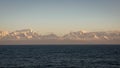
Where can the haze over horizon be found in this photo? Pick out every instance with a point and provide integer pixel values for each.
(60, 16)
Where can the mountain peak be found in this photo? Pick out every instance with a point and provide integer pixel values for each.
(83, 31)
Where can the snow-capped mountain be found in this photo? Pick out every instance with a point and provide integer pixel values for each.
(21, 35)
(93, 35)
(28, 34)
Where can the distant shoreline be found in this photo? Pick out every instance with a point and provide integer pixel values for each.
(37, 42)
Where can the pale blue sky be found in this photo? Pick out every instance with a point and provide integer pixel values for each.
(60, 16)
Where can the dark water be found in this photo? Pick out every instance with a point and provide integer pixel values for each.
(65, 56)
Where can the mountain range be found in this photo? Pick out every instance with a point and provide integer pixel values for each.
(28, 34)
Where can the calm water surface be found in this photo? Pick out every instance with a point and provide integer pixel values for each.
(64, 56)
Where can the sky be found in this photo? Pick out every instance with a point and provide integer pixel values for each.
(60, 16)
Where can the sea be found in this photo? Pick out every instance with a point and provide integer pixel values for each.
(59, 56)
